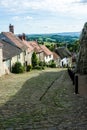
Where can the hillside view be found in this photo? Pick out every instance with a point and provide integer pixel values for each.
(69, 39)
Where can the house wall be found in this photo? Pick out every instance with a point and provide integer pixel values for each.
(40, 56)
(28, 57)
(14, 60)
(1, 62)
(48, 58)
(7, 66)
(57, 62)
(66, 61)
(21, 58)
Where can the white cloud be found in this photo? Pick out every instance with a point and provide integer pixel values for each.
(58, 6)
(66, 12)
(16, 18)
(28, 18)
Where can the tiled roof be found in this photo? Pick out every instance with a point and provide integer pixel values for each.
(36, 47)
(30, 48)
(55, 56)
(9, 50)
(15, 40)
(46, 50)
(63, 52)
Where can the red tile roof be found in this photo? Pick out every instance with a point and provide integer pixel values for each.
(14, 39)
(55, 56)
(36, 47)
(30, 48)
(46, 50)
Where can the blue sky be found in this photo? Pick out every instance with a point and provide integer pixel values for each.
(43, 16)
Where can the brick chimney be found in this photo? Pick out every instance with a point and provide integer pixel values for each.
(11, 28)
(22, 36)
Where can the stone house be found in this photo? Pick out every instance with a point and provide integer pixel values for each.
(12, 39)
(48, 55)
(10, 55)
(1, 60)
(29, 52)
(65, 55)
(56, 59)
(37, 49)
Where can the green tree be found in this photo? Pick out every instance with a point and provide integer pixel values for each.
(34, 60)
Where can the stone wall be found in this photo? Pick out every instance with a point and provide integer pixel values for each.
(1, 62)
(82, 60)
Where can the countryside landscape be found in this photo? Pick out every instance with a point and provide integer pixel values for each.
(43, 65)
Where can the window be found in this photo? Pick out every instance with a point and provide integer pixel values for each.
(49, 56)
(19, 56)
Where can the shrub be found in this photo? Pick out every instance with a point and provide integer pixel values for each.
(52, 64)
(29, 67)
(18, 68)
(42, 63)
(34, 60)
(39, 67)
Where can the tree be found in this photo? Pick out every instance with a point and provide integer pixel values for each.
(34, 60)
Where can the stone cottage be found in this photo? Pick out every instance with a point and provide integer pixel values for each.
(1, 60)
(48, 55)
(9, 55)
(65, 55)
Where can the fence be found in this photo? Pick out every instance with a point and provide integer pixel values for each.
(74, 79)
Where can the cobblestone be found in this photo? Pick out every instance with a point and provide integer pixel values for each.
(59, 109)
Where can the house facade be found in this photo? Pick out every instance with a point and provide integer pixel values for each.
(48, 55)
(65, 55)
(56, 59)
(37, 49)
(10, 55)
(29, 52)
(1, 61)
(13, 40)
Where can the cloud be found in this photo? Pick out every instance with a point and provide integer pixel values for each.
(83, 1)
(26, 5)
(16, 18)
(48, 5)
(28, 18)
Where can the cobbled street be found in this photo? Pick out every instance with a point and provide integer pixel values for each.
(41, 100)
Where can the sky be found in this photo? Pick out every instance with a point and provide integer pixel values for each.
(43, 16)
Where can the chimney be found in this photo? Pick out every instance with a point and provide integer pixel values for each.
(11, 28)
(23, 36)
(20, 36)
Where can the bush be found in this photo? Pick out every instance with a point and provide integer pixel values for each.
(29, 67)
(52, 64)
(42, 63)
(18, 68)
(39, 67)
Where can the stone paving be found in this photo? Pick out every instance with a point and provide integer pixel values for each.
(59, 109)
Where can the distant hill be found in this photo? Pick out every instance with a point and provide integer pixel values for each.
(65, 37)
(70, 34)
